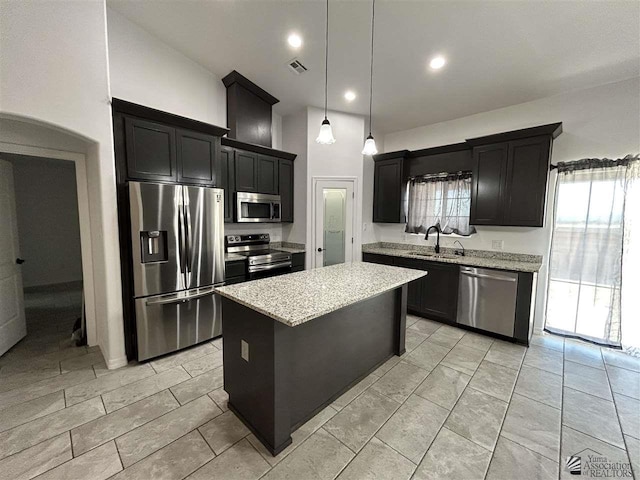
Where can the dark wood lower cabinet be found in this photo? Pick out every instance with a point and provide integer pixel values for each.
(436, 295)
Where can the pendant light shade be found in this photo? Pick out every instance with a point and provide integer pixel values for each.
(325, 137)
(369, 146)
(370, 143)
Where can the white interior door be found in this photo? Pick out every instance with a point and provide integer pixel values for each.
(13, 326)
(333, 225)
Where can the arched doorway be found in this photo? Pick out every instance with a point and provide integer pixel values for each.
(32, 139)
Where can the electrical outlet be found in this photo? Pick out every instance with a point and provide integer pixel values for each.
(497, 244)
(244, 347)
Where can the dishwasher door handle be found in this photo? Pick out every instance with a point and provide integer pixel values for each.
(490, 277)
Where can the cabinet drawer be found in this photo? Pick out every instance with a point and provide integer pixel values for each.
(235, 268)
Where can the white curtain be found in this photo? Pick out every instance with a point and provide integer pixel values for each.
(442, 200)
(630, 321)
(585, 269)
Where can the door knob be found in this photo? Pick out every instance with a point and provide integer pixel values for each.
(319, 249)
(20, 261)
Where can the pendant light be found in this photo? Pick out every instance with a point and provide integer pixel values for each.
(370, 143)
(325, 137)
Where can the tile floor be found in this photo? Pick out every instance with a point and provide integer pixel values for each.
(457, 405)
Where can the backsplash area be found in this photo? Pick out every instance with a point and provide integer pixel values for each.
(273, 229)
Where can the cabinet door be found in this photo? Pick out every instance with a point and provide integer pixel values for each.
(267, 174)
(414, 291)
(246, 171)
(487, 193)
(196, 155)
(526, 181)
(228, 181)
(151, 150)
(285, 186)
(440, 291)
(388, 191)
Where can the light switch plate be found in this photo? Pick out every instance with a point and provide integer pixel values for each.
(244, 347)
(497, 244)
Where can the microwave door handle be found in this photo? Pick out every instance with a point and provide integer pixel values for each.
(273, 210)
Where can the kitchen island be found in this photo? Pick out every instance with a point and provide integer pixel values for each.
(295, 343)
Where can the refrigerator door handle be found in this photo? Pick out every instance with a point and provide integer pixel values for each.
(181, 233)
(188, 235)
(181, 297)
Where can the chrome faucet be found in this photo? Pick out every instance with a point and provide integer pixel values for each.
(426, 237)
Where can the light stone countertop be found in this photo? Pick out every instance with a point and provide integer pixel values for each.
(468, 260)
(290, 250)
(298, 297)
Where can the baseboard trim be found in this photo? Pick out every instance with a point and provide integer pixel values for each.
(53, 287)
(114, 363)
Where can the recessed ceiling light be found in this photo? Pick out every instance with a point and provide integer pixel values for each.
(437, 62)
(349, 96)
(295, 40)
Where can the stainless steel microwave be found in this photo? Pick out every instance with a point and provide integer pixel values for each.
(257, 207)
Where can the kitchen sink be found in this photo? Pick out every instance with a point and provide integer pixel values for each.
(433, 255)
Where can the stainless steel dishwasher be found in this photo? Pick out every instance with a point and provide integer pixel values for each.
(487, 299)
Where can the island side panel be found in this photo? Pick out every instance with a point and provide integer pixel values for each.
(335, 351)
(401, 315)
(257, 395)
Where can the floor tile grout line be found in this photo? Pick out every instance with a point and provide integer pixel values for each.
(615, 407)
(450, 412)
(561, 413)
(505, 417)
(587, 393)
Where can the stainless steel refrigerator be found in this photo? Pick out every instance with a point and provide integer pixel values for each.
(177, 236)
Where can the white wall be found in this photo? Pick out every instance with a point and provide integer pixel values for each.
(598, 122)
(294, 140)
(342, 159)
(149, 72)
(54, 69)
(48, 224)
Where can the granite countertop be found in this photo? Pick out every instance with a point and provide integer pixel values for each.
(502, 261)
(298, 297)
(290, 250)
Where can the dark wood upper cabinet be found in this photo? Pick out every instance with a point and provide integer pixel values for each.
(228, 181)
(488, 181)
(150, 150)
(510, 182)
(389, 186)
(196, 157)
(526, 183)
(267, 175)
(285, 185)
(246, 171)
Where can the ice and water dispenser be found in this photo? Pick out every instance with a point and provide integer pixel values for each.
(153, 246)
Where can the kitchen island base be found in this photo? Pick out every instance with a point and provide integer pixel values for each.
(278, 376)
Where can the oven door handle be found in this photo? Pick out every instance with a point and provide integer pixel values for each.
(272, 266)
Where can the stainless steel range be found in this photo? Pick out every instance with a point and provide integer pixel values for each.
(262, 260)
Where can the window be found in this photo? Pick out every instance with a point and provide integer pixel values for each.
(443, 200)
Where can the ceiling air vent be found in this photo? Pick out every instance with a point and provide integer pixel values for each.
(296, 66)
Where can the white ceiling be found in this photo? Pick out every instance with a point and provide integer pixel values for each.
(499, 53)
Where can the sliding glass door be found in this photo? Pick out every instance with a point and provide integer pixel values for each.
(585, 271)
